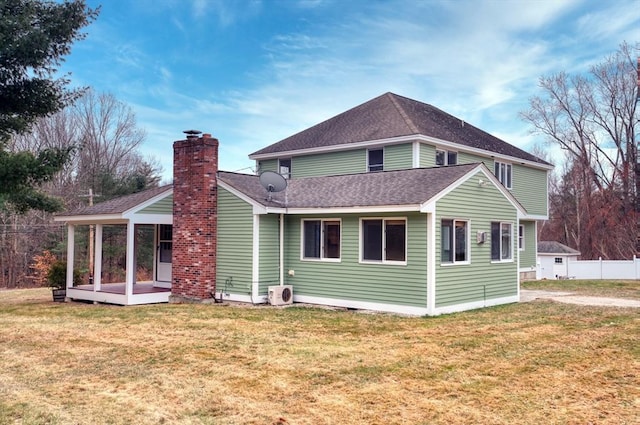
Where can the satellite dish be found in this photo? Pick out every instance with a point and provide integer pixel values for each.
(273, 182)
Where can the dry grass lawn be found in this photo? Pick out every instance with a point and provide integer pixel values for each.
(533, 363)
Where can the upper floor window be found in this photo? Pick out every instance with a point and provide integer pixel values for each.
(454, 242)
(446, 157)
(502, 171)
(375, 160)
(321, 239)
(501, 241)
(284, 167)
(384, 240)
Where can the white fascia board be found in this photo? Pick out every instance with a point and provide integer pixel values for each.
(402, 139)
(349, 210)
(148, 202)
(92, 219)
(534, 217)
(151, 218)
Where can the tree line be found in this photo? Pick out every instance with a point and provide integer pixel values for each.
(593, 118)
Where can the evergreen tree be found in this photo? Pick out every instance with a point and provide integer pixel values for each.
(35, 36)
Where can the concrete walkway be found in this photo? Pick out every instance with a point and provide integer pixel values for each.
(527, 295)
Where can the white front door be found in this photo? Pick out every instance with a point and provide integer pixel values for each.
(165, 248)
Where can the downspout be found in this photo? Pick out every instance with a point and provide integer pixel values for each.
(281, 249)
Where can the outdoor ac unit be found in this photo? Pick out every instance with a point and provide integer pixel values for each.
(281, 295)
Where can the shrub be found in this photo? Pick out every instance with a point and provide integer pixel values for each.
(57, 275)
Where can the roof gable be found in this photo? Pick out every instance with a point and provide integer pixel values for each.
(118, 206)
(391, 116)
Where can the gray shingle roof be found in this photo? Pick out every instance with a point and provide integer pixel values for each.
(119, 205)
(390, 115)
(403, 187)
(553, 247)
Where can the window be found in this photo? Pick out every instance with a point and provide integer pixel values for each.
(501, 242)
(521, 238)
(165, 242)
(284, 168)
(503, 173)
(446, 157)
(375, 160)
(384, 240)
(321, 239)
(558, 260)
(454, 241)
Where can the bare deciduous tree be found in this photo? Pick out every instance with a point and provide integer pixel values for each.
(593, 118)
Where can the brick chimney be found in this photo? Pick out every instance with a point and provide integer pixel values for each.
(195, 217)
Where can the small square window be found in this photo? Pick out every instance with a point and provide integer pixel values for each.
(558, 260)
(321, 239)
(284, 168)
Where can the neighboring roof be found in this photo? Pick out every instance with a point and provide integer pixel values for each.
(390, 116)
(385, 188)
(553, 247)
(119, 205)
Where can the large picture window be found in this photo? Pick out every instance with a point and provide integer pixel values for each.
(501, 241)
(384, 240)
(321, 239)
(454, 243)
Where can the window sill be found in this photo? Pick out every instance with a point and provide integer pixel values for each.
(502, 261)
(322, 260)
(384, 263)
(456, 263)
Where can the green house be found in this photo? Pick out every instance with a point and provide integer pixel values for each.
(393, 205)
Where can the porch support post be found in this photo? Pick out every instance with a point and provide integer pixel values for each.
(130, 271)
(71, 233)
(431, 263)
(97, 265)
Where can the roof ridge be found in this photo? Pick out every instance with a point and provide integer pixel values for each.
(402, 112)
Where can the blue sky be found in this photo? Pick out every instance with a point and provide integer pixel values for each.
(252, 72)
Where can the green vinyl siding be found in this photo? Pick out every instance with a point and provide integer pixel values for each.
(530, 188)
(235, 241)
(268, 165)
(528, 256)
(480, 279)
(469, 158)
(348, 279)
(330, 163)
(269, 264)
(162, 206)
(398, 157)
(427, 156)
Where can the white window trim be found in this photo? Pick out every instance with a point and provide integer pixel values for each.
(506, 260)
(521, 238)
(384, 240)
(288, 176)
(446, 157)
(454, 262)
(505, 164)
(369, 165)
(321, 259)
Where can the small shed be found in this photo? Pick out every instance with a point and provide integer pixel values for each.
(553, 259)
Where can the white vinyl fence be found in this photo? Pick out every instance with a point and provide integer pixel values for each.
(604, 269)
